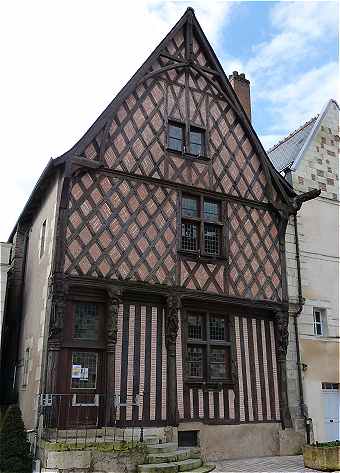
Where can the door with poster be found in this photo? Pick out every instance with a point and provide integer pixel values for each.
(82, 374)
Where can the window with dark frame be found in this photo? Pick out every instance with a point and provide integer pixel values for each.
(42, 239)
(26, 367)
(179, 133)
(175, 136)
(208, 347)
(201, 226)
(85, 321)
(196, 141)
(319, 316)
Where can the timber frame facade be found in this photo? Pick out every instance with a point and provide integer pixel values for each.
(198, 334)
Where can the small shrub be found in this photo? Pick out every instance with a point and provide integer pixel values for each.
(14, 447)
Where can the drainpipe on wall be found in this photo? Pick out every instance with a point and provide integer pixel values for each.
(296, 329)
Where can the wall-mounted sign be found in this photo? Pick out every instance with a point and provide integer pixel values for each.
(76, 371)
(84, 374)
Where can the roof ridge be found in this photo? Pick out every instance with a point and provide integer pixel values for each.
(286, 138)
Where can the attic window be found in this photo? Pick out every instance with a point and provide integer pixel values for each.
(175, 138)
(196, 141)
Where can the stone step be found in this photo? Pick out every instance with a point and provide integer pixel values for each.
(204, 469)
(171, 467)
(188, 465)
(166, 457)
(169, 447)
(158, 468)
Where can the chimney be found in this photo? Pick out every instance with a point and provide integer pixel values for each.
(241, 86)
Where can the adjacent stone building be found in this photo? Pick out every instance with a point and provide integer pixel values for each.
(149, 279)
(309, 158)
(5, 254)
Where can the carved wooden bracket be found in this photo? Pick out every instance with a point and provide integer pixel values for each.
(171, 322)
(282, 334)
(115, 298)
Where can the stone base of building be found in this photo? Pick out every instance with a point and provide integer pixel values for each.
(224, 442)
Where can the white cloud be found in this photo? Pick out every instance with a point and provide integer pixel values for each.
(296, 102)
(269, 140)
(62, 63)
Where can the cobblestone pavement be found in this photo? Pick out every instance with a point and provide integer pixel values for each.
(262, 465)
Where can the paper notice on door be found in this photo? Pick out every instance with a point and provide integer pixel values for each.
(76, 371)
(84, 374)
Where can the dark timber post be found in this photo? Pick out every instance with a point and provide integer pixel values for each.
(171, 329)
(55, 333)
(114, 299)
(282, 336)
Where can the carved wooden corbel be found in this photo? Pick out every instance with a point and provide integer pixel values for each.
(114, 299)
(171, 323)
(282, 339)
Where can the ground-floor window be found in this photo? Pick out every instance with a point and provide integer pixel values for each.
(208, 347)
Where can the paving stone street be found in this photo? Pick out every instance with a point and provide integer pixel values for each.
(261, 465)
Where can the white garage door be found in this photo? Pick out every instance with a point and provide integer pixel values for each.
(331, 405)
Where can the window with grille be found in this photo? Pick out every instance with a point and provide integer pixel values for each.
(195, 361)
(175, 136)
(202, 226)
(85, 321)
(189, 236)
(208, 347)
(84, 370)
(196, 144)
(211, 239)
(319, 316)
(195, 326)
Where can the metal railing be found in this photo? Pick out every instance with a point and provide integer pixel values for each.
(86, 419)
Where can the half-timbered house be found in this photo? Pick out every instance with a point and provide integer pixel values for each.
(148, 273)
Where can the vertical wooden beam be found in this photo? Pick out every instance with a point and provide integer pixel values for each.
(57, 293)
(171, 330)
(282, 336)
(114, 296)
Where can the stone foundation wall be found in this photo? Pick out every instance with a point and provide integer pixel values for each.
(219, 442)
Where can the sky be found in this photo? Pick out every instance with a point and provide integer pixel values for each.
(63, 61)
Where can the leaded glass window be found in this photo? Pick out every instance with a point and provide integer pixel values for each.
(217, 363)
(189, 236)
(195, 326)
(208, 347)
(216, 328)
(195, 361)
(85, 321)
(84, 370)
(211, 239)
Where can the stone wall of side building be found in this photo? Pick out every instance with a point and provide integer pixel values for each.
(29, 373)
(318, 229)
(5, 253)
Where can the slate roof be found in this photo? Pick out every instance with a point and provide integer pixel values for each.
(283, 154)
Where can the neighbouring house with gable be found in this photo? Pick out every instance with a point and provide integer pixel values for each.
(309, 158)
(148, 277)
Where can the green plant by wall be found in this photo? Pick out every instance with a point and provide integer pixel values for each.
(14, 447)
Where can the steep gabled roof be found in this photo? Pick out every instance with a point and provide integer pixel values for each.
(283, 154)
(289, 151)
(213, 74)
